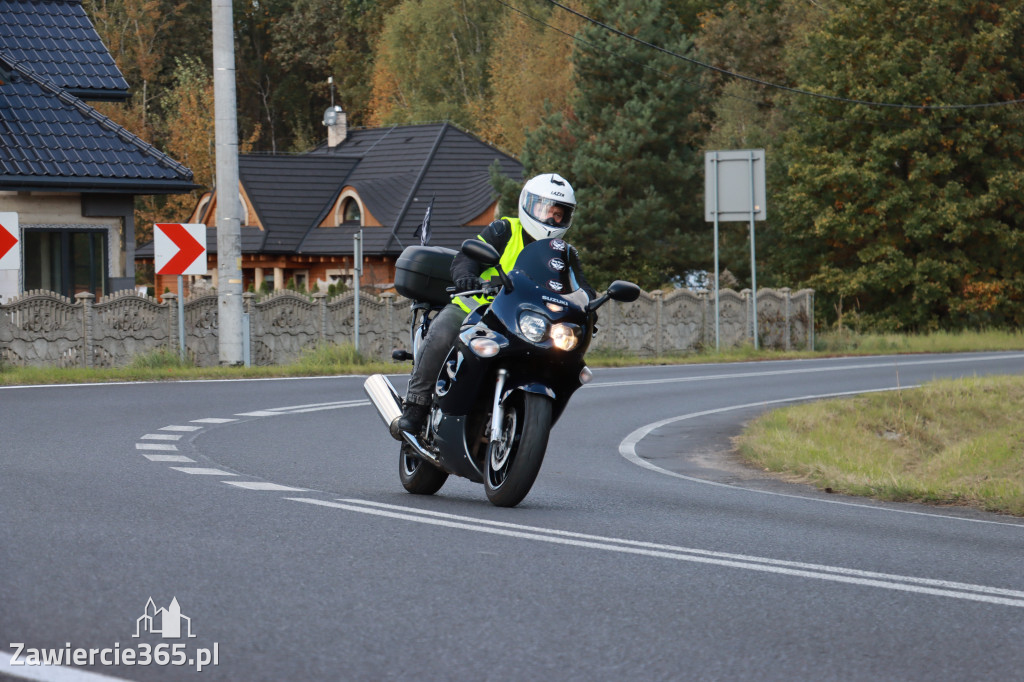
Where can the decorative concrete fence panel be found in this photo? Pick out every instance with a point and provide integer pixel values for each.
(41, 328)
(125, 325)
(281, 327)
(735, 326)
(201, 330)
(683, 321)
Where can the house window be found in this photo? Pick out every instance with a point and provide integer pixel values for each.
(68, 262)
(350, 211)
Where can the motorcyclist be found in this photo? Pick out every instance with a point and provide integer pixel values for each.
(546, 206)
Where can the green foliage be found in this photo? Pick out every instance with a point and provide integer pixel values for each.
(912, 216)
(627, 147)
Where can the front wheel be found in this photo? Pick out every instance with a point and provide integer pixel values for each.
(514, 459)
(419, 477)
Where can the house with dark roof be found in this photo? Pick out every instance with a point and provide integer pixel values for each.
(69, 172)
(302, 212)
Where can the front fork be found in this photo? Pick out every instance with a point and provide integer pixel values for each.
(497, 411)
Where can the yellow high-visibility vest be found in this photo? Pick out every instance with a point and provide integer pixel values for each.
(508, 260)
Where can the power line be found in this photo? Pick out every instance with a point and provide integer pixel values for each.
(797, 91)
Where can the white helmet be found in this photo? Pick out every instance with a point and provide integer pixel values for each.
(543, 199)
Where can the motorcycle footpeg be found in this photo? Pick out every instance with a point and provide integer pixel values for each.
(417, 449)
(401, 355)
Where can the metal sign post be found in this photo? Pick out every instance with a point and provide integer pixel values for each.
(734, 190)
(714, 195)
(357, 258)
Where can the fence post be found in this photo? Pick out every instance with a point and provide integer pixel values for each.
(248, 299)
(389, 315)
(321, 306)
(657, 294)
(704, 340)
(810, 320)
(788, 295)
(85, 299)
(748, 323)
(171, 301)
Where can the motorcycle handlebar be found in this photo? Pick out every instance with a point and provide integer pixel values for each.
(487, 290)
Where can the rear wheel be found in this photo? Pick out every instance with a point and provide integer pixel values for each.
(513, 460)
(419, 477)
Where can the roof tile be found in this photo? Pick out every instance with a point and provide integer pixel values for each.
(80, 146)
(55, 39)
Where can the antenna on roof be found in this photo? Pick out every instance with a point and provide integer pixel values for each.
(335, 120)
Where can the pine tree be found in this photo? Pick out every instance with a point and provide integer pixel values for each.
(628, 148)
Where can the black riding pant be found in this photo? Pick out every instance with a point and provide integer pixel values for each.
(439, 340)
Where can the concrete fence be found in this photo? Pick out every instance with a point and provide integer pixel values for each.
(41, 328)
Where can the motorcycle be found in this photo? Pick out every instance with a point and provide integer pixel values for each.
(514, 366)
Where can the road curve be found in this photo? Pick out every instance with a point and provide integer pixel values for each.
(265, 519)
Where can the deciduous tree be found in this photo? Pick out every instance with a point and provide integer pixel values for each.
(431, 61)
(911, 216)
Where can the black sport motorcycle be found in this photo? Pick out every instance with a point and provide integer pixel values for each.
(507, 380)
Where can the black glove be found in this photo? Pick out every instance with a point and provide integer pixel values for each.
(467, 284)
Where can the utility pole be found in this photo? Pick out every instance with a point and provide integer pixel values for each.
(229, 237)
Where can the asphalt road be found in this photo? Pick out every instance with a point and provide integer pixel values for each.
(270, 513)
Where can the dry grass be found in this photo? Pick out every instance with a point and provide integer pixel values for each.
(948, 442)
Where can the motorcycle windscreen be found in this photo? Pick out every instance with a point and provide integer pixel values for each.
(553, 265)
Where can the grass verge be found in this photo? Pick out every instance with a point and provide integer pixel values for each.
(957, 442)
(322, 360)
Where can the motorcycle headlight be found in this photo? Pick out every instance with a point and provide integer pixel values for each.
(533, 326)
(563, 337)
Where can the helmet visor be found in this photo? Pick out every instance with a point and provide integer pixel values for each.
(548, 211)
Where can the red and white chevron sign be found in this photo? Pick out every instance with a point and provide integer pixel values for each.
(179, 248)
(10, 242)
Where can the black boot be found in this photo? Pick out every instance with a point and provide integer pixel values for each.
(414, 416)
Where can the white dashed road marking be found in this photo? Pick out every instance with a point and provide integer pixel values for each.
(168, 458)
(179, 430)
(262, 485)
(203, 471)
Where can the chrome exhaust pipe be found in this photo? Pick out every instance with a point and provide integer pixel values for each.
(385, 398)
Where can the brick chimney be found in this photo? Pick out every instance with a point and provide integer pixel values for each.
(337, 126)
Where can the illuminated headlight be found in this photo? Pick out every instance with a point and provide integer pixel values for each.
(533, 327)
(484, 347)
(563, 337)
